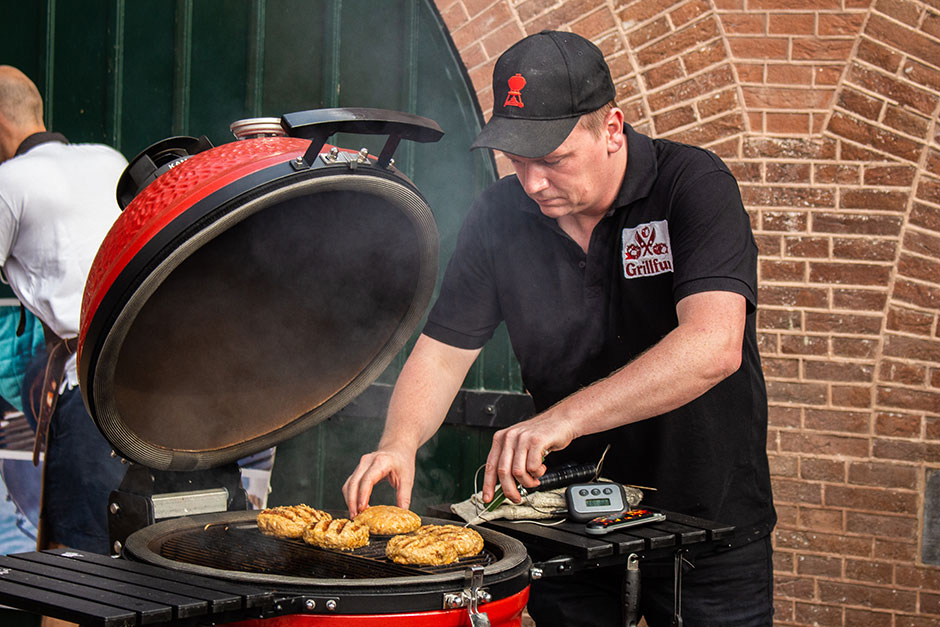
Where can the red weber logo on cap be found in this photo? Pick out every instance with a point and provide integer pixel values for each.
(646, 250)
(516, 84)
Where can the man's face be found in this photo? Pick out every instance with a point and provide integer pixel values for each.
(574, 179)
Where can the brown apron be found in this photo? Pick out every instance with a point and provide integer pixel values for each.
(59, 351)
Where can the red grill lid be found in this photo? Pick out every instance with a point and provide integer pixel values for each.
(246, 295)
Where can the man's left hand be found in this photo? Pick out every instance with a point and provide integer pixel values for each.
(517, 454)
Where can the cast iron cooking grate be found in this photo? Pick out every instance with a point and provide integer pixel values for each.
(241, 547)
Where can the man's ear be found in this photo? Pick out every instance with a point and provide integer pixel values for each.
(7, 150)
(614, 130)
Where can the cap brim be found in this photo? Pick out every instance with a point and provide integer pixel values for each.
(526, 138)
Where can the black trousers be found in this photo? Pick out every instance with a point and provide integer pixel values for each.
(80, 472)
(728, 588)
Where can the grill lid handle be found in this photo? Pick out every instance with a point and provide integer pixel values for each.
(318, 124)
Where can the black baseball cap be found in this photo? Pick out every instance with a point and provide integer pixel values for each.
(542, 85)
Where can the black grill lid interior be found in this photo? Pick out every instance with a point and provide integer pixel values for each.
(266, 321)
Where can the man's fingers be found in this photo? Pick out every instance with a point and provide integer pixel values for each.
(357, 490)
(534, 459)
(396, 467)
(364, 487)
(403, 482)
(515, 459)
(490, 477)
(528, 466)
(506, 467)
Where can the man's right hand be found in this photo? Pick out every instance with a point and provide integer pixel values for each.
(396, 466)
(426, 387)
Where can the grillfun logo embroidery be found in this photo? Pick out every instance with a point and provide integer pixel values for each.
(646, 250)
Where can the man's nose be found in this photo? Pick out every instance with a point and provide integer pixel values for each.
(535, 179)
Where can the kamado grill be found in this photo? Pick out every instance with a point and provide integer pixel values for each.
(248, 292)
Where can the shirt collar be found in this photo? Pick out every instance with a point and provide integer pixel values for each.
(641, 168)
(39, 138)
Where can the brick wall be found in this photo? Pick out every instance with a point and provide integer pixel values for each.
(827, 111)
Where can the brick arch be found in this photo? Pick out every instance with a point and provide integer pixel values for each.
(827, 111)
(699, 71)
(886, 117)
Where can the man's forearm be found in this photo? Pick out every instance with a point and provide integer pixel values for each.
(424, 392)
(702, 351)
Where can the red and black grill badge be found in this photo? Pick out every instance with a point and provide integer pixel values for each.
(514, 97)
(646, 250)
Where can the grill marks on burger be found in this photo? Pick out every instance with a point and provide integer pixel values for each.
(426, 550)
(434, 545)
(415, 544)
(289, 521)
(339, 533)
(466, 541)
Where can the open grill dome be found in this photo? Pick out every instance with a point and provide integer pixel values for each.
(241, 299)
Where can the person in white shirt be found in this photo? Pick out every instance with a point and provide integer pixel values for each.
(57, 202)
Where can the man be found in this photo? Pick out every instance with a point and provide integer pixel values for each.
(625, 271)
(57, 202)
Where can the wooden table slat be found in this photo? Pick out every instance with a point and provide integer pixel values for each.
(552, 538)
(209, 588)
(625, 543)
(714, 530)
(109, 590)
(654, 538)
(45, 579)
(65, 607)
(685, 535)
(166, 580)
(95, 576)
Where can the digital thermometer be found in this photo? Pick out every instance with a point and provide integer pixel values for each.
(590, 500)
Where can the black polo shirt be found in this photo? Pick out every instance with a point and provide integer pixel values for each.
(678, 227)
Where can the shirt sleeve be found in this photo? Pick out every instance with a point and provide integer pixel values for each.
(467, 310)
(713, 246)
(8, 223)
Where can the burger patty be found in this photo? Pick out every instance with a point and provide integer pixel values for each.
(340, 533)
(388, 520)
(434, 545)
(289, 521)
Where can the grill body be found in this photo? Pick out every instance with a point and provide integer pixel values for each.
(360, 582)
(502, 613)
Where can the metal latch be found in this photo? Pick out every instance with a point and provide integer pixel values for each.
(472, 595)
(475, 577)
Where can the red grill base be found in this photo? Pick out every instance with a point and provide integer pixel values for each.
(505, 612)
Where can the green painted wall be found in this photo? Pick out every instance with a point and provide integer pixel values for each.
(132, 72)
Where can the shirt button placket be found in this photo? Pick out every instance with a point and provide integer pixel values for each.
(592, 279)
